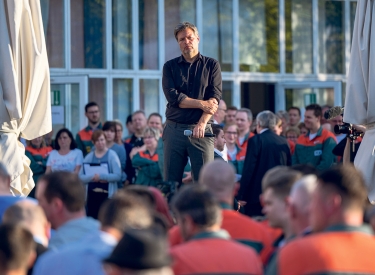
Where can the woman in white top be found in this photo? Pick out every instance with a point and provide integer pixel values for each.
(66, 156)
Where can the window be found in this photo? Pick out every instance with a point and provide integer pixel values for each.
(148, 35)
(331, 37)
(122, 34)
(88, 33)
(176, 11)
(298, 37)
(218, 32)
(149, 95)
(259, 35)
(53, 24)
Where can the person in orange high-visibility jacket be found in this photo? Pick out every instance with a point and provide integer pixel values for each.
(208, 249)
(341, 244)
(219, 177)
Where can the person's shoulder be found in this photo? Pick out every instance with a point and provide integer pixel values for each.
(172, 61)
(327, 134)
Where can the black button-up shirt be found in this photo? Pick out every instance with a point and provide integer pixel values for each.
(198, 80)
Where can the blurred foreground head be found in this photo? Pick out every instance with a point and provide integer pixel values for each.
(340, 198)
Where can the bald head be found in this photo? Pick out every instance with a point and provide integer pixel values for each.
(302, 191)
(220, 179)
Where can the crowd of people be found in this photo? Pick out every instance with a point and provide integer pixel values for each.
(273, 194)
(209, 191)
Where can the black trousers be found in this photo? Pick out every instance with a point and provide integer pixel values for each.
(178, 147)
(96, 196)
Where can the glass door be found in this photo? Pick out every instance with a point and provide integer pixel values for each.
(69, 94)
(301, 94)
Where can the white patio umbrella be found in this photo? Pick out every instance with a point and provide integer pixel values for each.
(360, 90)
(25, 108)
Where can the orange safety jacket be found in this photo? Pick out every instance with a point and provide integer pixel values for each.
(340, 249)
(214, 253)
(244, 144)
(241, 228)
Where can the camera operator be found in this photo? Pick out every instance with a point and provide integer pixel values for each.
(353, 133)
(348, 146)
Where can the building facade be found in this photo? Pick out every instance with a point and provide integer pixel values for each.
(274, 54)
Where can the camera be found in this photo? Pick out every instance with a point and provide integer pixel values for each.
(345, 128)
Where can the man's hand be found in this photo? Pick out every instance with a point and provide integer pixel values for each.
(242, 203)
(198, 131)
(188, 178)
(96, 178)
(209, 106)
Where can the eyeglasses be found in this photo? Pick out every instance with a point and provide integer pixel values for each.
(150, 137)
(222, 109)
(93, 112)
(231, 133)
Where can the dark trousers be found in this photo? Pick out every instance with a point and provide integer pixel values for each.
(178, 147)
(96, 196)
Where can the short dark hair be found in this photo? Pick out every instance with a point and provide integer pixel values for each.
(295, 108)
(16, 246)
(73, 144)
(128, 119)
(183, 26)
(216, 128)
(232, 108)
(90, 104)
(316, 108)
(67, 187)
(280, 179)
(141, 191)
(109, 125)
(198, 203)
(155, 114)
(125, 210)
(348, 182)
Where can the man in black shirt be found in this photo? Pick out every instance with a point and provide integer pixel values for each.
(192, 86)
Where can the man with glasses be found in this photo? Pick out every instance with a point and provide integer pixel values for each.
(193, 88)
(83, 137)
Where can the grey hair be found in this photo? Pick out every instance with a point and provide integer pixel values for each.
(283, 114)
(4, 171)
(248, 113)
(266, 119)
(183, 26)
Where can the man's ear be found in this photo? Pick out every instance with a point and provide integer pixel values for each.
(31, 259)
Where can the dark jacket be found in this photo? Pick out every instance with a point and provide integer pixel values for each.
(264, 151)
